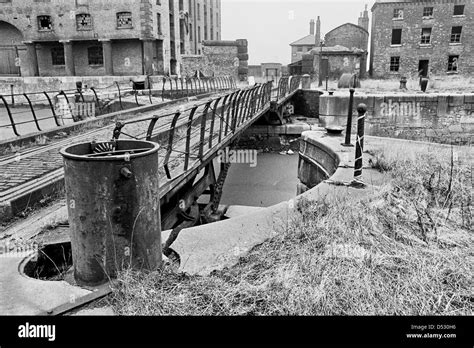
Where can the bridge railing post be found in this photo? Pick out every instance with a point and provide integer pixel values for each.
(188, 138)
(221, 123)
(119, 94)
(213, 121)
(362, 112)
(170, 144)
(203, 129)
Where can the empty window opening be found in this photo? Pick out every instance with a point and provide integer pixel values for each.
(45, 23)
(458, 10)
(396, 36)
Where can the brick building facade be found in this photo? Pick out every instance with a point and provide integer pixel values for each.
(422, 37)
(99, 37)
(344, 50)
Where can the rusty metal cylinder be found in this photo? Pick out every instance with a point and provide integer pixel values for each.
(112, 193)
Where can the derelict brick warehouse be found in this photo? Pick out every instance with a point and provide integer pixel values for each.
(93, 38)
(429, 36)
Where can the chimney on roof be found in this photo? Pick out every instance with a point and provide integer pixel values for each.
(318, 31)
(364, 19)
(311, 27)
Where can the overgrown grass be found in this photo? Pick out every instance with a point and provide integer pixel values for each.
(405, 249)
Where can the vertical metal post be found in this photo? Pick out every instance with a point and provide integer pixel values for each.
(163, 89)
(188, 138)
(347, 141)
(213, 121)
(170, 144)
(13, 96)
(327, 80)
(149, 89)
(120, 96)
(362, 111)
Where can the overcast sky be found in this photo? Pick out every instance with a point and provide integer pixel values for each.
(271, 25)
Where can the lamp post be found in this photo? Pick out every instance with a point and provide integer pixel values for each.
(321, 45)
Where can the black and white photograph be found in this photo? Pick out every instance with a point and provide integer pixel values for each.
(188, 171)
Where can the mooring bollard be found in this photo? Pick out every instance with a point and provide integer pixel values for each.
(347, 141)
(403, 83)
(113, 202)
(362, 111)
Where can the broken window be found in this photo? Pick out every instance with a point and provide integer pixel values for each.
(57, 55)
(458, 10)
(394, 64)
(95, 55)
(45, 23)
(84, 21)
(124, 20)
(428, 12)
(453, 63)
(456, 34)
(396, 36)
(398, 13)
(425, 36)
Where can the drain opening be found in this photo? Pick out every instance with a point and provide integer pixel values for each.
(51, 262)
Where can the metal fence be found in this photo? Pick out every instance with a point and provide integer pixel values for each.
(24, 113)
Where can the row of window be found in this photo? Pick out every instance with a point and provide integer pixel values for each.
(428, 12)
(452, 64)
(95, 55)
(84, 21)
(426, 35)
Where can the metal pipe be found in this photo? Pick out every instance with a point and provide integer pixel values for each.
(13, 96)
(347, 141)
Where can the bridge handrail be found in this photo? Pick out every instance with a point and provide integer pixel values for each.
(190, 134)
(23, 108)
